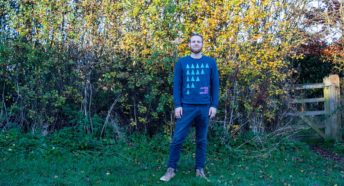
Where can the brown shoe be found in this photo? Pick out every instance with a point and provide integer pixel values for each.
(200, 173)
(168, 175)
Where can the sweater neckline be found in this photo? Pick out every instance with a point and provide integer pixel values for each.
(196, 58)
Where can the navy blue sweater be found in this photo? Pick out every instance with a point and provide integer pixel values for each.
(196, 81)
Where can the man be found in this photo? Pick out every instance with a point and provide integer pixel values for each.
(195, 96)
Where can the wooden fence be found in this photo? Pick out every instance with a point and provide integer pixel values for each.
(332, 106)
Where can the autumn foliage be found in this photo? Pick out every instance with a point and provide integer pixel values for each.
(106, 66)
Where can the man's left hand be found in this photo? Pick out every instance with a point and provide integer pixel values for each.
(212, 112)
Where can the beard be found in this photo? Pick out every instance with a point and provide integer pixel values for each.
(196, 51)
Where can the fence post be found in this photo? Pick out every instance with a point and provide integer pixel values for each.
(332, 102)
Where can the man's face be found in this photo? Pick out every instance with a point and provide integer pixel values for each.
(196, 44)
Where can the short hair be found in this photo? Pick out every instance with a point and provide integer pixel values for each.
(195, 34)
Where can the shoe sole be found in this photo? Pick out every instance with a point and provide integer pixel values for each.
(166, 180)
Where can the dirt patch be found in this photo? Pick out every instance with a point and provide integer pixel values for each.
(329, 155)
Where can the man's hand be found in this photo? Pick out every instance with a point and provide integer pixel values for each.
(212, 112)
(178, 112)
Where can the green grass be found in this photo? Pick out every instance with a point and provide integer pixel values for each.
(71, 158)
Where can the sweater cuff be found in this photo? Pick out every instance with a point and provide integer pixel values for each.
(213, 105)
(177, 105)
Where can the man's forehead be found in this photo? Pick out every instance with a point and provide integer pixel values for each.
(195, 38)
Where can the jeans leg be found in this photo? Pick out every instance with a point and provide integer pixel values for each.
(182, 129)
(201, 123)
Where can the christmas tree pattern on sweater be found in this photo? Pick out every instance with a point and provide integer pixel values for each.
(193, 73)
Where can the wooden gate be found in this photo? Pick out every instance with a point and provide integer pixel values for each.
(332, 106)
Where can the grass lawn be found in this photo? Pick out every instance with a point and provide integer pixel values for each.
(70, 158)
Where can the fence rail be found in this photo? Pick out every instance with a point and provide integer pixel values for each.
(309, 100)
(309, 86)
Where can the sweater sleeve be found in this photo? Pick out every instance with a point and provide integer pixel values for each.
(215, 85)
(177, 84)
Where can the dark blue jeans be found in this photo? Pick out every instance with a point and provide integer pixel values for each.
(198, 114)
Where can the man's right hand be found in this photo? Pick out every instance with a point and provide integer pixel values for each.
(178, 112)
